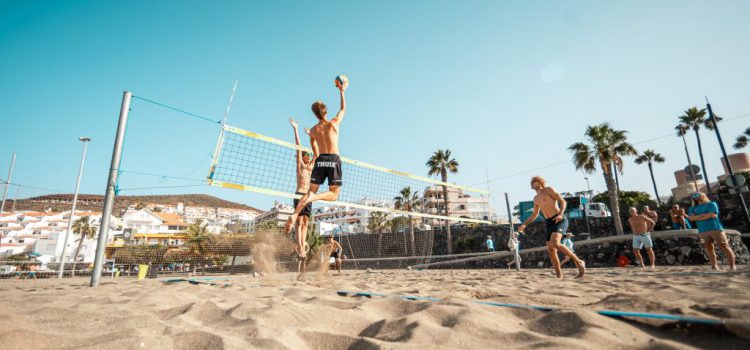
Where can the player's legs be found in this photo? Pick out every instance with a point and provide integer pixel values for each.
(639, 258)
(552, 250)
(331, 195)
(555, 239)
(564, 261)
(708, 244)
(721, 239)
(300, 206)
(651, 257)
(338, 265)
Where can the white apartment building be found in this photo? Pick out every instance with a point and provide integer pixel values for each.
(460, 204)
(44, 234)
(348, 219)
(277, 215)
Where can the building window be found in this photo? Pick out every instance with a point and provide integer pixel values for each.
(173, 227)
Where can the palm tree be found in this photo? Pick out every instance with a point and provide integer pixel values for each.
(648, 157)
(441, 163)
(82, 227)
(408, 201)
(681, 131)
(606, 146)
(743, 139)
(694, 119)
(378, 223)
(197, 241)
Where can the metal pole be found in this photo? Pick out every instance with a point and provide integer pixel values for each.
(10, 175)
(726, 160)
(510, 232)
(85, 141)
(109, 197)
(585, 210)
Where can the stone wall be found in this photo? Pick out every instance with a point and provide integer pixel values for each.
(599, 249)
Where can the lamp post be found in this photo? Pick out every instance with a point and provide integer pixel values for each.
(585, 211)
(85, 141)
(726, 160)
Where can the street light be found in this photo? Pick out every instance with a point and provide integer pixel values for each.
(585, 211)
(85, 141)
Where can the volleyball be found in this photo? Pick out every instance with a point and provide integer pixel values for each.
(342, 80)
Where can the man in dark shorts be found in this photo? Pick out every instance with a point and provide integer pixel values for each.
(335, 248)
(546, 201)
(324, 139)
(304, 169)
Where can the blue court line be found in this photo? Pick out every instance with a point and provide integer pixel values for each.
(609, 313)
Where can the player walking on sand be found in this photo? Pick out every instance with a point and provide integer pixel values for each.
(546, 201)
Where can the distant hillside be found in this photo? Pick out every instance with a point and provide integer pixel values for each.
(59, 202)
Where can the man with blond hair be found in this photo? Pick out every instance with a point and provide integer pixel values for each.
(552, 206)
(324, 139)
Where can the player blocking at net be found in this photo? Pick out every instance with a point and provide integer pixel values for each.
(304, 168)
(324, 140)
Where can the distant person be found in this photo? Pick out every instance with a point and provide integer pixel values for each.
(706, 215)
(653, 215)
(304, 169)
(568, 242)
(641, 226)
(490, 244)
(679, 218)
(335, 249)
(324, 139)
(552, 206)
(514, 246)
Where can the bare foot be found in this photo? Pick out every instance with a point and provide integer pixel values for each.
(733, 268)
(581, 268)
(715, 268)
(289, 223)
(652, 267)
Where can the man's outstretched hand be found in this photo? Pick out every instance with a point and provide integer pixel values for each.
(293, 122)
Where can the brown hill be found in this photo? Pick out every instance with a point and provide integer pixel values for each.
(61, 202)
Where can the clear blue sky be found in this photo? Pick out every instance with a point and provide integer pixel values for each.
(483, 78)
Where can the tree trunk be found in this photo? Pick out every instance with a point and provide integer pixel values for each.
(617, 179)
(613, 201)
(703, 164)
(75, 255)
(380, 245)
(651, 170)
(447, 222)
(411, 236)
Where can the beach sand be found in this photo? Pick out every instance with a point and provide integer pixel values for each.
(279, 312)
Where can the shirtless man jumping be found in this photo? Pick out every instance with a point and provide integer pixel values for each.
(304, 168)
(546, 201)
(641, 226)
(324, 139)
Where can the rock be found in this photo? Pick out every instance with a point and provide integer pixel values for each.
(671, 259)
(685, 250)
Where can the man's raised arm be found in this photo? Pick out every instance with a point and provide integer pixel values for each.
(340, 115)
(296, 140)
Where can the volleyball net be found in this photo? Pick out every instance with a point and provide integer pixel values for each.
(249, 161)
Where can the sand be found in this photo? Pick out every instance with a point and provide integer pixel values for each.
(278, 312)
